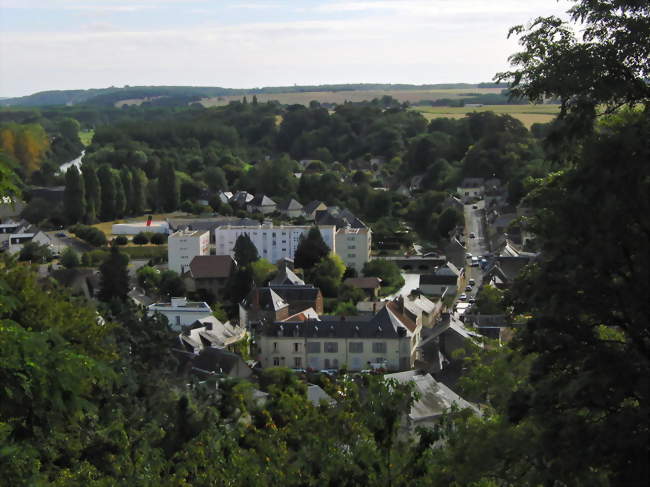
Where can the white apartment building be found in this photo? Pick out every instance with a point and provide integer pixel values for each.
(272, 242)
(353, 246)
(181, 312)
(184, 245)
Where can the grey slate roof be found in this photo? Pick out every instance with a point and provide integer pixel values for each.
(435, 279)
(288, 205)
(262, 200)
(286, 277)
(311, 206)
(382, 325)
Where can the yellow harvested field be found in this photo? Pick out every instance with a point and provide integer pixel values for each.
(528, 114)
(303, 98)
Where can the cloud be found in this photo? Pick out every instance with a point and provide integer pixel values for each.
(397, 43)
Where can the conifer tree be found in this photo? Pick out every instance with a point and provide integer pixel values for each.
(120, 197)
(168, 193)
(107, 191)
(127, 185)
(74, 202)
(93, 192)
(139, 191)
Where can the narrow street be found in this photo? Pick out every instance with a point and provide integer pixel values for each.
(475, 244)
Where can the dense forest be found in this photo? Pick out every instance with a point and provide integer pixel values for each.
(176, 155)
(91, 394)
(182, 95)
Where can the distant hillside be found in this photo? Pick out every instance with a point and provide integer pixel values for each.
(185, 94)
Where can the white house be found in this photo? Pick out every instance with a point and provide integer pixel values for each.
(272, 242)
(181, 312)
(16, 240)
(471, 188)
(184, 245)
(353, 246)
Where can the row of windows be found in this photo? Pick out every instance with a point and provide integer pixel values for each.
(333, 347)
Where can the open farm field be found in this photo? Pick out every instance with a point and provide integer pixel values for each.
(528, 114)
(86, 136)
(303, 98)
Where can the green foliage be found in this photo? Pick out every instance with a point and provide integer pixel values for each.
(35, 252)
(158, 239)
(489, 301)
(351, 293)
(120, 240)
(327, 274)
(114, 276)
(107, 209)
(311, 249)
(168, 190)
(141, 238)
(92, 235)
(385, 270)
(345, 308)
(262, 271)
(74, 199)
(245, 251)
(70, 258)
(171, 284)
(148, 278)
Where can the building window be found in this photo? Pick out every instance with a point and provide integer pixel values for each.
(331, 347)
(276, 361)
(296, 347)
(350, 239)
(352, 256)
(297, 362)
(275, 346)
(379, 347)
(352, 247)
(313, 347)
(356, 347)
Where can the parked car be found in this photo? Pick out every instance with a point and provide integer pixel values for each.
(60, 234)
(462, 297)
(468, 255)
(472, 300)
(468, 288)
(474, 207)
(472, 235)
(472, 282)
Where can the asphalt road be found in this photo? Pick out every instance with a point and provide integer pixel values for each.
(68, 241)
(477, 246)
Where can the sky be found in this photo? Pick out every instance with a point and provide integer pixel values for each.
(72, 44)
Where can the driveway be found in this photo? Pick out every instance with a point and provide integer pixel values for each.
(411, 281)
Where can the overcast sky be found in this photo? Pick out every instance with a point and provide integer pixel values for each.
(66, 44)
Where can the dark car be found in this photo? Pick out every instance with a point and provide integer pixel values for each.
(60, 234)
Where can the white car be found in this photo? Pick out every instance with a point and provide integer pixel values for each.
(462, 297)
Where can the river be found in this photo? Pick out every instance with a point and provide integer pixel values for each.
(75, 162)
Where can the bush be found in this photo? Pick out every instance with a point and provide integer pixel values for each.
(69, 258)
(141, 239)
(121, 240)
(158, 238)
(92, 235)
(93, 258)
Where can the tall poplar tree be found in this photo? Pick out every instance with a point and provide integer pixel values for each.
(93, 192)
(120, 197)
(74, 201)
(107, 191)
(139, 191)
(168, 193)
(127, 185)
